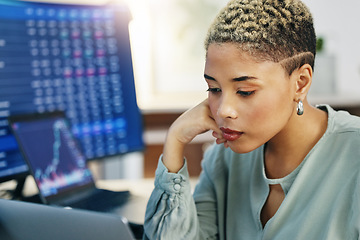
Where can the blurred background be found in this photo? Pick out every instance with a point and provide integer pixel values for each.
(168, 57)
(167, 42)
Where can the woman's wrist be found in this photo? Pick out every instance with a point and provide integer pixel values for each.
(173, 153)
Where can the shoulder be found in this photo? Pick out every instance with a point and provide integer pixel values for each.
(341, 141)
(341, 121)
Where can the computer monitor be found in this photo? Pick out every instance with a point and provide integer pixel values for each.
(74, 58)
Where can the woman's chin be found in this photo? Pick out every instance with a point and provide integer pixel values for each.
(240, 148)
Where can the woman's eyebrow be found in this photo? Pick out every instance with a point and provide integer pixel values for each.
(237, 79)
(244, 78)
(209, 78)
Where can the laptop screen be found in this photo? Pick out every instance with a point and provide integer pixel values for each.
(55, 160)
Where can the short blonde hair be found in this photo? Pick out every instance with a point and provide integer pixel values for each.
(275, 30)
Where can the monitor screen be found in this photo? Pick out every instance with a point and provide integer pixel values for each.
(74, 58)
(53, 154)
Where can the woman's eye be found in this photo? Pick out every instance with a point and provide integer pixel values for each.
(214, 90)
(245, 93)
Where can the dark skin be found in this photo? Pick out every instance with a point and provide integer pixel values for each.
(255, 102)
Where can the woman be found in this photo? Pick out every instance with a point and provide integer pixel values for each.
(281, 169)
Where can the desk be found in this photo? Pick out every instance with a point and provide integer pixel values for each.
(133, 210)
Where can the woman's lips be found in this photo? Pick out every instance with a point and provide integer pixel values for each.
(230, 135)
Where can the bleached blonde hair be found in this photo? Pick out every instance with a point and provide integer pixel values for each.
(275, 30)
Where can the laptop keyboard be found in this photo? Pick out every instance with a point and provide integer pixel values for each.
(103, 200)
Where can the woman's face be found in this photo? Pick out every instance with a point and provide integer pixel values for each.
(251, 101)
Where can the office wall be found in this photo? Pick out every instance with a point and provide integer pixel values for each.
(169, 55)
(337, 22)
(167, 40)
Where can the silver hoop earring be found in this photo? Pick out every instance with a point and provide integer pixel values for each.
(300, 108)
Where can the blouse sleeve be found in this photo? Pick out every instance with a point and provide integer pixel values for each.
(171, 212)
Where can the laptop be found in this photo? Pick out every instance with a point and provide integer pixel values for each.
(23, 221)
(58, 165)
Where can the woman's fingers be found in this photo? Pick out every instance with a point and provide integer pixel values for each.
(219, 138)
(196, 121)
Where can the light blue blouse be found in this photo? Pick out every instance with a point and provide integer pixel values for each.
(322, 195)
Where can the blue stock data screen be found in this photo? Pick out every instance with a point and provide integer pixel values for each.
(73, 58)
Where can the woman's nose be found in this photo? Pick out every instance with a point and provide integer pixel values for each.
(227, 108)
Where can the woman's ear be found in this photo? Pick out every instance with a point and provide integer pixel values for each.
(303, 79)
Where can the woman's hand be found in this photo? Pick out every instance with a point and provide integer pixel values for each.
(193, 122)
(190, 124)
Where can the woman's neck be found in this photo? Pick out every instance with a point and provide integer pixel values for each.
(285, 151)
